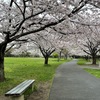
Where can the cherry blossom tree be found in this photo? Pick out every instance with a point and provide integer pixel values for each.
(47, 41)
(89, 41)
(46, 46)
(19, 18)
(92, 49)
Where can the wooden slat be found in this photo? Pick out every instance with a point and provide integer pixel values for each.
(21, 87)
(18, 90)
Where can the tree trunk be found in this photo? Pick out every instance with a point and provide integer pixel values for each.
(2, 52)
(46, 60)
(66, 56)
(59, 56)
(94, 60)
(2, 75)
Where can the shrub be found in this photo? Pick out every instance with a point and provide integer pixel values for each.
(36, 55)
(55, 55)
(9, 54)
(25, 54)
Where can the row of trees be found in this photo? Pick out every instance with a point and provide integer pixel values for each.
(75, 43)
(19, 18)
(48, 41)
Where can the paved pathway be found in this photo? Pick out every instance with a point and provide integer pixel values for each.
(73, 83)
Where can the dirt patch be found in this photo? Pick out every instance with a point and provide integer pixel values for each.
(3, 98)
(42, 92)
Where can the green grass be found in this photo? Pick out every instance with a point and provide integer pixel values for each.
(84, 62)
(95, 72)
(20, 69)
(81, 62)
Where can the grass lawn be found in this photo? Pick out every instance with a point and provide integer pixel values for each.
(95, 72)
(20, 69)
(81, 62)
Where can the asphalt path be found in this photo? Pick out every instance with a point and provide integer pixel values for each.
(73, 83)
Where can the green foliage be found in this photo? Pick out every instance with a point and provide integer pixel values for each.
(55, 55)
(19, 69)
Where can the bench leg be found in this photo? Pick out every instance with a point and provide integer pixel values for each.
(32, 87)
(17, 97)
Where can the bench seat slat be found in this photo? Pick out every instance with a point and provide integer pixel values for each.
(18, 90)
(24, 87)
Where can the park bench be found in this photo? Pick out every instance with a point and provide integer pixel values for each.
(17, 93)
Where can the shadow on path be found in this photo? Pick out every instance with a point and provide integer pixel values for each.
(73, 83)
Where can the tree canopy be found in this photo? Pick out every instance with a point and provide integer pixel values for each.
(19, 18)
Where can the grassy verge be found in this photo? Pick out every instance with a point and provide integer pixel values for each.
(95, 72)
(81, 62)
(84, 62)
(20, 69)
